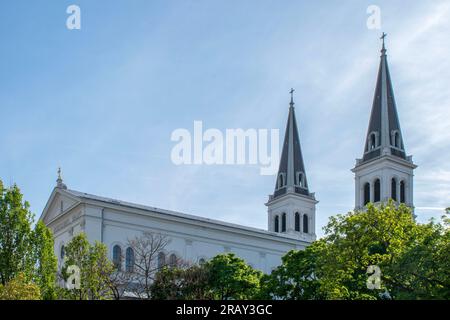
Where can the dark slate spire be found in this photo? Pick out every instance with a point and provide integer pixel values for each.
(291, 173)
(384, 136)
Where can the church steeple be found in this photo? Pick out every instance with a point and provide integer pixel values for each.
(385, 171)
(291, 173)
(384, 136)
(292, 208)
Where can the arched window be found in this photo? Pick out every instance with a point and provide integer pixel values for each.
(366, 193)
(372, 141)
(297, 221)
(277, 224)
(394, 189)
(280, 181)
(129, 260)
(161, 259)
(305, 224)
(62, 252)
(117, 257)
(402, 192)
(397, 139)
(301, 179)
(283, 222)
(377, 191)
(173, 260)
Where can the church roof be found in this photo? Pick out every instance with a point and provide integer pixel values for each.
(169, 214)
(291, 176)
(384, 136)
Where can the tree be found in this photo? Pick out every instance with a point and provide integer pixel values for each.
(424, 269)
(412, 258)
(95, 268)
(191, 283)
(46, 266)
(195, 283)
(23, 250)
(296, 278)
(16, 250)
(231, 278)
(377, 236)
(147, 249)
(19, 288)
(224, 277)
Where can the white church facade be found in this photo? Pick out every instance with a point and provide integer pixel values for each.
(384, 172)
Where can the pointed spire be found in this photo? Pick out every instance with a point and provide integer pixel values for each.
(384, 136)
(59, 181)
(291, 176)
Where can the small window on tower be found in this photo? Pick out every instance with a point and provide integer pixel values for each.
(372, 141)
(277, 224)
(301, 179)
(402, 192)
(394, 189)
(366, 193)
(377, 191)
(305, 224)
(280, 181)
(397, 139)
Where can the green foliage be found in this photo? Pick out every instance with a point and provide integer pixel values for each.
(173, 283)
(296, 277)
(167, 284)
(19, 288)
(46, 267)
(231, 278)
(96, 269)
(413, 259)
(424, 269)
(16, 249)
(23, 250)
(224, 277)
(377, 236)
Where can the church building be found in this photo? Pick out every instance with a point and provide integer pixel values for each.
(384, 172)
(193, 239)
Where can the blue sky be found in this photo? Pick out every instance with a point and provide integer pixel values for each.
(102, 102)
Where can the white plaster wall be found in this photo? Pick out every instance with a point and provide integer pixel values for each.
(190, 240)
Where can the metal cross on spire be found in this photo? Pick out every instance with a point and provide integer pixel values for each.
(292, 96)
(383, 36)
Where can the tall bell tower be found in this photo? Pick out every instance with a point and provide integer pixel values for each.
(385, 171)
(292, 208)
